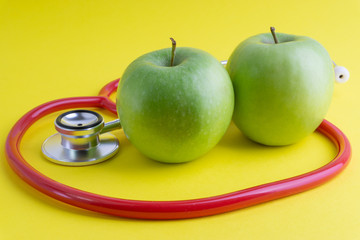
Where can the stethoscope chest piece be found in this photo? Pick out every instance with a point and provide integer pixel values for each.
(80, 140)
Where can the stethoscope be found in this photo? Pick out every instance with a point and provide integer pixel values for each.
(84, 139)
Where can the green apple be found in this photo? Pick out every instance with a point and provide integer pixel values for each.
(282, 90)
(175, 113)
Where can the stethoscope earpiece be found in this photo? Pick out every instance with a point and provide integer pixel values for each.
(342, 75)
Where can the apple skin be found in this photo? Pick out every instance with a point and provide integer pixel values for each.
(175, 114)
(282, 91)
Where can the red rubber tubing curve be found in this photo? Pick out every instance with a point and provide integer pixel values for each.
(162, 209)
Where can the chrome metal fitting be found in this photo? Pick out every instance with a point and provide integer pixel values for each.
(81, 139)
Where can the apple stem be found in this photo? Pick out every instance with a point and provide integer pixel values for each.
(172, 51)
(272, 29)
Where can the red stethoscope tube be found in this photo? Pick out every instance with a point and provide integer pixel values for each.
(162, 209)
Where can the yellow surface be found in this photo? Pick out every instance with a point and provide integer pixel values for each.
(56, 49)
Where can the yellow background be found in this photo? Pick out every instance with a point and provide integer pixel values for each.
(56, 49)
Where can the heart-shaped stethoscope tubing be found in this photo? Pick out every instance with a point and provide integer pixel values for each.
(179, 209)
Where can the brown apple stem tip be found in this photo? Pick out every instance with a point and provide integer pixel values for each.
(172, 52)
(272, 29)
